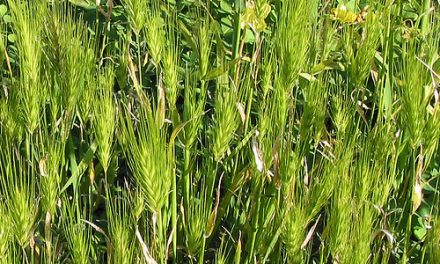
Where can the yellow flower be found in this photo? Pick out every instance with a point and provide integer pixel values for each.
(342, 14)
(254, 16)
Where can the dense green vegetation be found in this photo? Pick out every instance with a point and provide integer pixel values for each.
(223, 131)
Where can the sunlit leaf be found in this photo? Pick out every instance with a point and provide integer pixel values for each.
(3, 10)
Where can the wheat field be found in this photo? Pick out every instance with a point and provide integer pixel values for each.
(219, 131)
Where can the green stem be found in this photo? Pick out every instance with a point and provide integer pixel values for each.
(426, 17)
(48, 236)
(237, 30)
(161, 250)
(73, 168)
(186, 178)
(410, 208)
(248, 111)
(174, 215)
(255, 221)
(139, 60)
(28, 147)
(202, 251)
